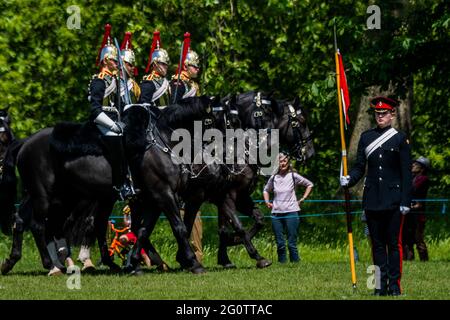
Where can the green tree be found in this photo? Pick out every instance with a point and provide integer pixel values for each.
(285, 46)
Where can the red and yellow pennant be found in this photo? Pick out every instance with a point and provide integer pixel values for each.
(343, 88)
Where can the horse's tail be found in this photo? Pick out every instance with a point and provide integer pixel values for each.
(79, 227)
(8, 186)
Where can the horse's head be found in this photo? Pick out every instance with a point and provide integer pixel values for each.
(294, 131)
(256, 110)
(226, 115)
(211, 105)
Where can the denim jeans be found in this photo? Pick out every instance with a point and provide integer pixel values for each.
(286, 223)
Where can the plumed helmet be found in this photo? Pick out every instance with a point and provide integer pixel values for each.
(188, 57)
(126, 49)
(160, 55)
(109, 52)
(128, 56)
(425, 162)
(157, 53)
(192, 59)
(107, 49)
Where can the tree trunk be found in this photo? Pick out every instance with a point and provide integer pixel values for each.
(403, 119)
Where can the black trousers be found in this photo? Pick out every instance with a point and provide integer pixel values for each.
(385, 229)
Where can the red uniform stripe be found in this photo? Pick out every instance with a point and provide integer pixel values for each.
(400, 249)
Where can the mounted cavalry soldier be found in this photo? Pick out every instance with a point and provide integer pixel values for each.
(184, 84)
(387, 191)
(154, 85)
(107, 100)
(129, 61)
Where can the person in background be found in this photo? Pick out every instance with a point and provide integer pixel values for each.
(127, 240)
(414, 228)
(285, 207)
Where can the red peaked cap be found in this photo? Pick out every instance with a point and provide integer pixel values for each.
(156, 44)
(381, 104)
(106, 37)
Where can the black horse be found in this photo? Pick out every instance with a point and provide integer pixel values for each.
(229, 186)
(161, 175)
(230, 189)
(54, 183)
(6, 139)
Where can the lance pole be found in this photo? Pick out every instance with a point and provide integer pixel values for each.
(178, 73)
(344, 165)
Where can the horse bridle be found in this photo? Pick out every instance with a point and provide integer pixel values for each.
(261, 108)
(298, 150)
(228, 110)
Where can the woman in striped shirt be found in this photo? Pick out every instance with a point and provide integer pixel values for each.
(285, 207)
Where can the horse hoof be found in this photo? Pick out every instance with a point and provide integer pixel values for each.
(88, 266)
(137, 273)
(55, 272)
(88, 269)
(198, 270)
(263, 263)
(229, 266)
(115, 268)
(5, 267)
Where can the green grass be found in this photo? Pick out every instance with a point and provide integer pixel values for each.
(323, 273)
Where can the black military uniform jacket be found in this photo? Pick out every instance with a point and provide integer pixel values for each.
(184, 88)
(155, 89)
(103, 93)
(388, 182)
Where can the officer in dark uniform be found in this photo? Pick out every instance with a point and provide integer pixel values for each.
(154, 85)
(387, 191)
(105, 113)
(185, 84)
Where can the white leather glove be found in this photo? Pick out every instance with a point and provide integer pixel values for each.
(118, 127)
(103, 120)
(344, 180)
(404, 210)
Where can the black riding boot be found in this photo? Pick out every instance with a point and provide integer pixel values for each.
(121, 179)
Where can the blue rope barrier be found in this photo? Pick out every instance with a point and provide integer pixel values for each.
(210, 215)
